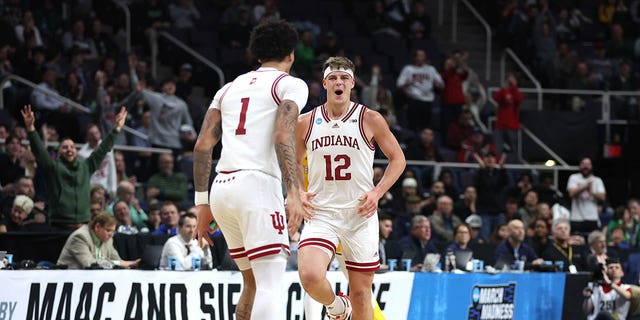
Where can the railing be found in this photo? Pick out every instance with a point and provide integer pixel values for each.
(524, 69)
(487, 28)
(66, 100)
(121, 147)
(127, 23)
(183, 46)
(438, 166)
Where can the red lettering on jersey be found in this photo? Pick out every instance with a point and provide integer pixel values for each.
(253, 81)
(278, 221)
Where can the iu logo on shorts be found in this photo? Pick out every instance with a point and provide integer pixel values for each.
(278, 221)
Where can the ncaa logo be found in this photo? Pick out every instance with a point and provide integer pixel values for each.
(318, 120)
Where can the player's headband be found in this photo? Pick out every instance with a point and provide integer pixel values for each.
(329, 70)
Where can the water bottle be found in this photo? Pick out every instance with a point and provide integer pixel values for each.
(447, 261)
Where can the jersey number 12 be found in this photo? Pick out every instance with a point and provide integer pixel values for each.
(342, 162)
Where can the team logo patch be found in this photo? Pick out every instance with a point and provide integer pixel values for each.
(318, 120)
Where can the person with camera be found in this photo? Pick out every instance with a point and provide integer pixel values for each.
(610, 298)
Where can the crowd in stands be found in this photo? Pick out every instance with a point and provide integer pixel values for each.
(432, 99)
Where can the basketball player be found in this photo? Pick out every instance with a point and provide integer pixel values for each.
(339, 138)
(255, 116)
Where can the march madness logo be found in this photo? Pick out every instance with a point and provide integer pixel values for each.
(492, 302)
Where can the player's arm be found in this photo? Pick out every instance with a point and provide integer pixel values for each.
(301, 148)
(209, 136)
(377, 129)
(285, 144)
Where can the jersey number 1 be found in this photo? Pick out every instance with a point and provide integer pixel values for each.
(337, 172)
(241, 130)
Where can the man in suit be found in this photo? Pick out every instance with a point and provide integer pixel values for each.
(93, 244)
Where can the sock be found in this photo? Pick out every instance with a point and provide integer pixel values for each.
(312, 308)
(336, 307)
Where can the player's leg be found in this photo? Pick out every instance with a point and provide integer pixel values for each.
(316, 248)
(312, 308)
(360, 294)
(224, 207)
(312, 269)
(245, 303)
(268, 272)
(377, 312)
(359, 244)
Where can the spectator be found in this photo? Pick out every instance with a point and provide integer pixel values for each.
(598, 252)
(467, 205)
(430, 204)
(126, 192)
(475, 224)
(562, 248)
(454, 74)
(507, 124)
(98, 194)
(305, 54)
(499, 234)
(92, 244)
(95, 207)
(184, 83)
(514, 248)
(547, 191)
(538, 235)
(529, 211)
(630, 226)
(461, 240)
(443, 221)
(425, 148)
(402, 222)
(21, 217)
(105, 175)
(618, 47)
(77, 40)
(184, 248)
(10, 162)
(585, 190)
(24, 186)
(169, 217)
(474, 146)
(166, 184)
(418, 81)
(490, 179)
(388, 249)
(68, 178)
(28, 25)
(418, 18)
(611, 299)
(618, 239)
(121, 168)
(185, 15)
(581, 79)
(123, 216)
(450, 189)
(460, 130)
(170, 119)
(153, 222)
(418, 244)
(237, 29)
(379, 22)
(601, 66)
(102, 41)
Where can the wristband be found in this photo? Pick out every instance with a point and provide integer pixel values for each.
(201, 197)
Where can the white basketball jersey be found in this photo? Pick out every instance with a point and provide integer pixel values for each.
(610, 301)
(340, 158)
(248, 108)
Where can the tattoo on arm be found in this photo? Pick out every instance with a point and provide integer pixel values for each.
(286, 120)
(210, 134)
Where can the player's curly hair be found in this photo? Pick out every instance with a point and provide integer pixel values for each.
(273, 40)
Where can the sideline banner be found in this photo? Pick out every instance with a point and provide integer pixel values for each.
(483, 296)
(135, 294)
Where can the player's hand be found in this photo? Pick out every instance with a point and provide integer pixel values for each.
(295, 212)
(308, 207)
(205, 218)
(369, 204)
(587, 292)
